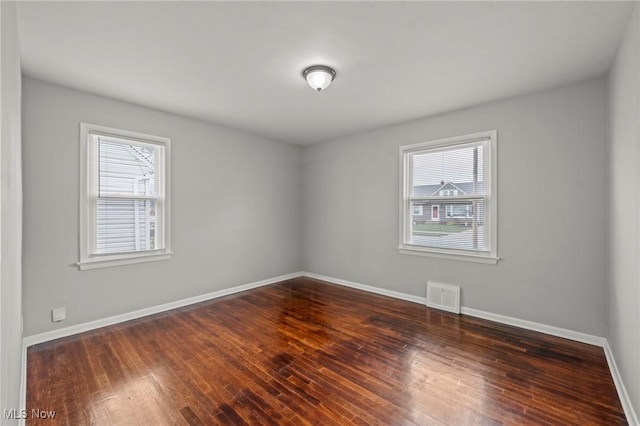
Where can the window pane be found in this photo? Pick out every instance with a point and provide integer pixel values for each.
(447, 173)
(457, 210)
(125, 225)
(126, 169)
(451, 226)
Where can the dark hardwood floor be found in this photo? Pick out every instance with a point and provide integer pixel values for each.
(307, 352)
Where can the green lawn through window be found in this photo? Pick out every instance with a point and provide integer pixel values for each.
(438, 228)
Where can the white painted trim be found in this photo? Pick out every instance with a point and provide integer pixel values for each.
(449, 255)
(535, 326)
(368, 288)
(120, 260)
(92, 325)
(625, 400)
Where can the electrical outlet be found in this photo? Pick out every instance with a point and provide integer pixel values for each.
(58, 314)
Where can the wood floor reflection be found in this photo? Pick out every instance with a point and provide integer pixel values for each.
(307, 352)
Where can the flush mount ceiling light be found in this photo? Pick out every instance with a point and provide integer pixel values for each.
(319, 77)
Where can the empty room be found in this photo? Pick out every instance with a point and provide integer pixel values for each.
(320, 213)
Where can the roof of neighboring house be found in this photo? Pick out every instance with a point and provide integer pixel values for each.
(464, 188)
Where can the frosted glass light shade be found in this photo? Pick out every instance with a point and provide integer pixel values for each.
(319, 77)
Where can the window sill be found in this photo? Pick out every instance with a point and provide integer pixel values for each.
(449, 255)
(120, 260)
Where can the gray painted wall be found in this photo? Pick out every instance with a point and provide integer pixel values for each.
(624, 191)
(551, 214)
(236, 209)
(10, 216)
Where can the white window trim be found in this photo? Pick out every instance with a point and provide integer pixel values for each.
(491, 176)
(420, 211)
(447, 208)
(93, 261)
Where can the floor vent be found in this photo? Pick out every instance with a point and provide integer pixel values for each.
(443, 296)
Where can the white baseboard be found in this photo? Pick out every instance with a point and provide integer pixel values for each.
(92, 325)
(535, 326)
(625, 400)
(368, 288)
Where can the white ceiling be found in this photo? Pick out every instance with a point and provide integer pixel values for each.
(239, 63)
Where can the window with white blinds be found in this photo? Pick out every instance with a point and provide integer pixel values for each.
(451, 183)
(125, 197)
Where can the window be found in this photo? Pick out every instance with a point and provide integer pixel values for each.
(125, 197)
(417, 210)
(459, 210)
(459, 175)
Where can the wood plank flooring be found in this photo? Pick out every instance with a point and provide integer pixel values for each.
(306, 352)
